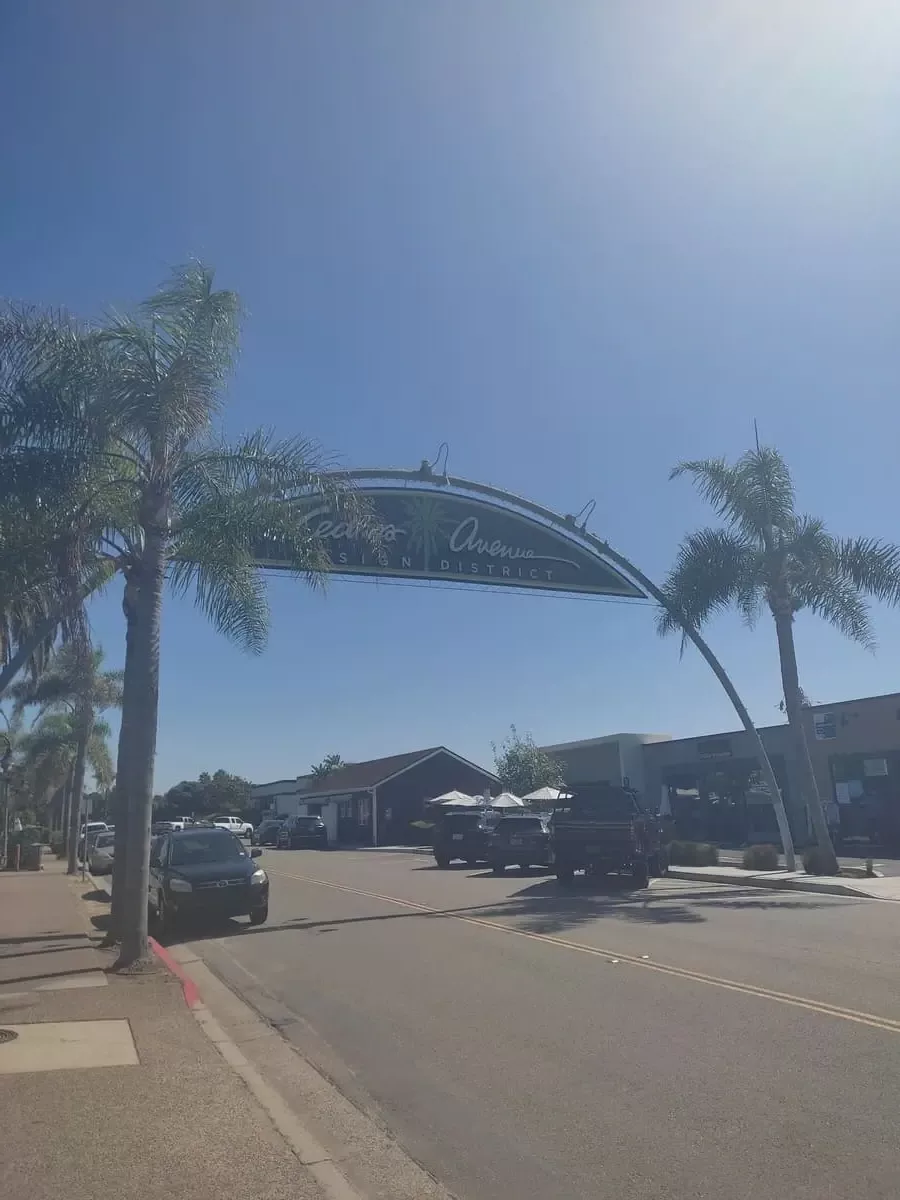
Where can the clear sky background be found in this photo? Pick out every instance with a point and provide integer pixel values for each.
(576, 240)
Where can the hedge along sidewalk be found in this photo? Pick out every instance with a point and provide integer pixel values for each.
(796, 881)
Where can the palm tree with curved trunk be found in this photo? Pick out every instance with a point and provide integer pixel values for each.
(204, 513)
(75, 683)
(771, 558)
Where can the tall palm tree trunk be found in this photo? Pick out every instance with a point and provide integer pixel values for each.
(76, 800)
(141, 749)
(718, 670)
(793, 702)
(123, 763)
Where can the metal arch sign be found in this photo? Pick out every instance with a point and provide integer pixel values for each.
(428, 534)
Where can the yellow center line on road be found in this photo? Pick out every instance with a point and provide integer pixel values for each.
(873, 1020)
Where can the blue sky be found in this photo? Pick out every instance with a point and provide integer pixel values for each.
(577, 241)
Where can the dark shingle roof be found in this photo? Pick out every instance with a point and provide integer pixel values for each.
(356, 777)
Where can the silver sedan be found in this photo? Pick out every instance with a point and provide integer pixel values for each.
(100, 858)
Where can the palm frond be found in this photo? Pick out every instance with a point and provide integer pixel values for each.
(755, 495)
(872, 566)
(836, 600)
(98, 754)
(713, 570)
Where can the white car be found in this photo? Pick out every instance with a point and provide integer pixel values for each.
(100, 855)
(181, 822)
(234, 824)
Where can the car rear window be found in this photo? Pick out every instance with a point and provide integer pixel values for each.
(307, 822)
(458, 821)
(105, 840)
(520, 825)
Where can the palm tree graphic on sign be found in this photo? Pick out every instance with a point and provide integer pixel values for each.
(428, 519)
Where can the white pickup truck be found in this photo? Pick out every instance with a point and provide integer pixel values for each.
(234, 824)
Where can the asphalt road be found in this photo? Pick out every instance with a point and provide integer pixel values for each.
(690, 1041)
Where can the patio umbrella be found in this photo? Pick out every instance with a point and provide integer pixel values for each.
(458, 798)
(546, 795)
(507, 800)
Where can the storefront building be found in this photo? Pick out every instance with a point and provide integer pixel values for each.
(708, 783)
(380, 802)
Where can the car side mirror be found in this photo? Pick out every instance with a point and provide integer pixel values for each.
(255, 851)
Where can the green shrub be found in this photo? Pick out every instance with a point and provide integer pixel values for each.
(693, 854)
(817, 861)
(761, 858)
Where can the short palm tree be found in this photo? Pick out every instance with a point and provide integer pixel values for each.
(770, 557)
(74, 683)
(49, 753)
(203, 516)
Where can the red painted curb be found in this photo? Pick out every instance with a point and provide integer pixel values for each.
(188, 987)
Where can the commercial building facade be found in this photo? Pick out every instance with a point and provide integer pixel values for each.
(707, 782)
(378, 802)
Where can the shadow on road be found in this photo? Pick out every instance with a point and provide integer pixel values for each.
(540, 907)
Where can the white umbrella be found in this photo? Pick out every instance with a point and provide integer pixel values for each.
(506, 800)
(547, 795)
(459, 798)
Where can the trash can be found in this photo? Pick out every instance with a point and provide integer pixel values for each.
(31, 857)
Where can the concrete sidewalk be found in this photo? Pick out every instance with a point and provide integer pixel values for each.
(111, 1086)
(797, 881)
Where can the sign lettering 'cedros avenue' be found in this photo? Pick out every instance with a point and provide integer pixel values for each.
(432, 535)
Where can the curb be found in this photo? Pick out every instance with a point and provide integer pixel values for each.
(189, 989)
(773, 883)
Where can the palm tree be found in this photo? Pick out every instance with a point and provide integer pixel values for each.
(203, 514)
(50, 750)
(74, 682)
(53, 505)
(771, 557)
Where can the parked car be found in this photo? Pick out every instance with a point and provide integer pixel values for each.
(298, 833)
(88, 832)
(234, 824)
(266, 833)
(100, 854)
(603, 828)
(519, 840)
(205, 872)
(460, 835)
(161, 827)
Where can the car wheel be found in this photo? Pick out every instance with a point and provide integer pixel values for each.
(442, 861)
(259, 916)
(498, 868)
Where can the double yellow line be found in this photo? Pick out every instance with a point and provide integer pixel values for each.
(748, 989)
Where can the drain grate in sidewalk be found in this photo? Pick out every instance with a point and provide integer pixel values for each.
(7, 1035)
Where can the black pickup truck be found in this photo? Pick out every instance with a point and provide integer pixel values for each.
(602, 828)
